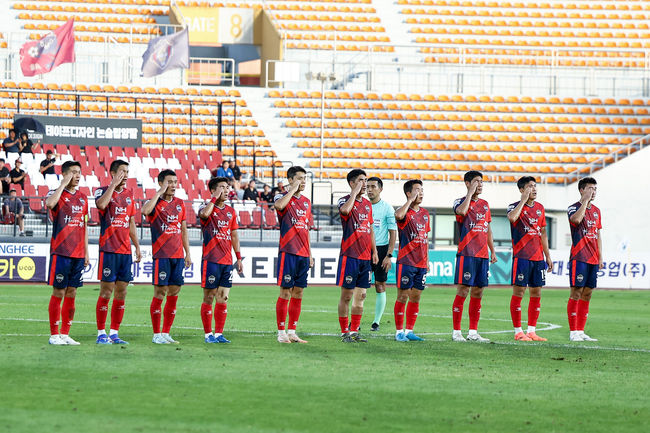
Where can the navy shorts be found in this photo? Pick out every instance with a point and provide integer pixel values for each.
(65, 272)
(472, 271)
(531, 273)
(353, 273)
(168, 272)
(114, 267)
(582, 274)
(292, 270)
(215, 275)
(380, 274)
(410, 277)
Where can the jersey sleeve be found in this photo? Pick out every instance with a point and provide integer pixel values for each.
(340, 203)
(201, 207)
(570, 211)
(511, 207)
(457, 203)
(600, 220)
(391, 223)
(275, 199)
(152, 216)
(402, 223)
(370, 219)
(542, 222)
(55, 209)
(488, 215)
(233, 222)
(183, 216)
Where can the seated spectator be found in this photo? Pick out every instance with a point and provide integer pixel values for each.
(4, 177)
(47, 165)
(266, 195)
(17, 175)
(250, 193)
(10, 144)
(236, 172)
(25, 145)
(240, 190)
(12, 210)
(225, 171)
(280, 189)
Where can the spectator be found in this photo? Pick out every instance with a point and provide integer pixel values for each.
(10, 144)
(47, 165)
(250, 193)
(236, 172)
(224, 170)
(12, 210)
(240, 190)
(17, 175)
(280, 189)
(4, 177)
(267, 195)
(25, 145)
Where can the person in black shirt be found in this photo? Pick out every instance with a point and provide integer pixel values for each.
(12, 205)
(10, 144)
(236, 172)
(267, 195)
(25, 145)
(17, 175)
(4, 177)
(47, 165)
(250, 193)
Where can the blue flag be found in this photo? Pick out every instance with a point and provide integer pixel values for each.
(165, 53)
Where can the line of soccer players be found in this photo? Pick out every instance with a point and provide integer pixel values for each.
(370, 228)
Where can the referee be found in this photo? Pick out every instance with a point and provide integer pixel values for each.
(385, 230)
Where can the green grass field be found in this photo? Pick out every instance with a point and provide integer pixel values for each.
(258, 385)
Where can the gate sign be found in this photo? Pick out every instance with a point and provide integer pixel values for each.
(210, 26)
(85, 131)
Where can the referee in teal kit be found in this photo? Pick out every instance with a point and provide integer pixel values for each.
(385, 235)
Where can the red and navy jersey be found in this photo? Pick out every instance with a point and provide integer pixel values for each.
(217, 234)
(295, 221)
(414, 239)
(115, 221)
(473, 228)
(584, 236)
(69, 218)
(165, 220)
(357, 226)
(527, 232)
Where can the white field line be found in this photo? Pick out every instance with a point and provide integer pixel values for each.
(384, 336)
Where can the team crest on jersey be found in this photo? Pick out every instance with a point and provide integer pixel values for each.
(580, 277)
(179, 208)
(107, 272)
(426, 217)
(83, 201)
(467, 275)
(485, 207)
(162, 275)
(405, 279)
(306, 204)
(367, 208)
(211, 279)
(520, 277)
(229, 215)
(348, 279)
(539, 213)
(128, 200)
(59, 278)
(595, 214)
(287, 278)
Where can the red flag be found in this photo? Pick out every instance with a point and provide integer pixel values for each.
(39, 57)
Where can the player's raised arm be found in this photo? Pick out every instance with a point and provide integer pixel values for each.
(102, 201)
(346, 207)
(284, 201)
(513, 214)
(400, 213)
(150, 205)
(54, 198)
(586, 196)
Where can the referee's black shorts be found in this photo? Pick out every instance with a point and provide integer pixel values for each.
(380, 274)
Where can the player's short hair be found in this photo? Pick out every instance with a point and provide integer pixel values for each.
(470, 175)
(68, 165)
(294, 170)
(215, 181)
(523, 181)
(163, 174)
(408, 186)
(115, 165)
(376, 179)
(2, 160)
(353, 174)
(586, 181)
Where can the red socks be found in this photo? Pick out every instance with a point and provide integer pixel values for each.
(155, 312)
(67, 315)
(206, 317)
(572, 313)
(583, 312)
(533, 311)
(515, 311)
(295, 305)
(343, 321)
(474, 312)
(399, 315)
(220, 314)
(54, 311)
(101, 311)
(457, 311)
(169, 313)
(281, 313)
(355, 322)
(412, 310)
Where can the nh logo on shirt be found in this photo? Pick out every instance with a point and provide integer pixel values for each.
(77, 209)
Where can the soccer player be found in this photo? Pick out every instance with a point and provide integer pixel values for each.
(586, 257)
(358, 253)
(385, 234)
(529, 248)
(294, 256)
(166, 214)
(117, 225)
(220, 237)
(472, 260)
(412, 259)
(68, 250)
